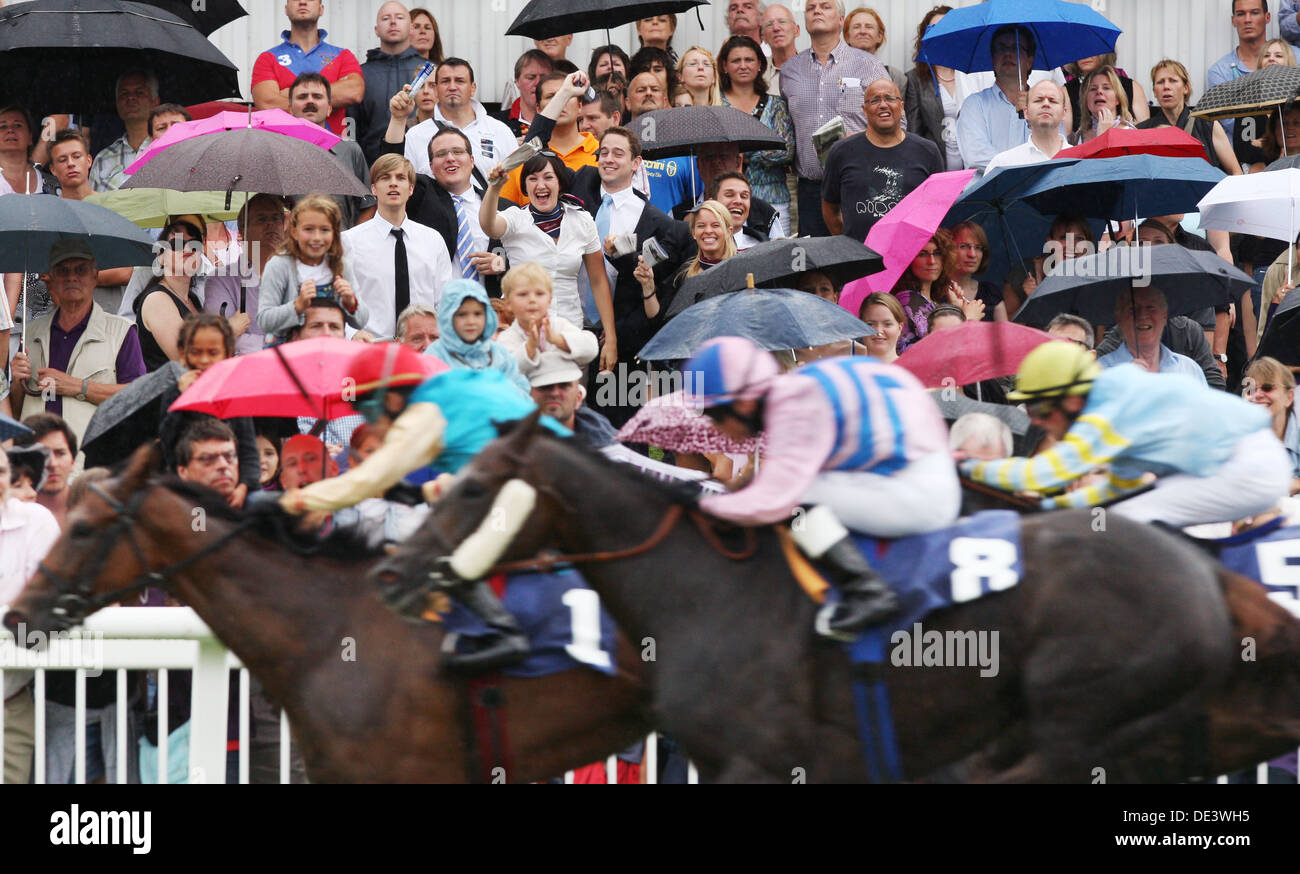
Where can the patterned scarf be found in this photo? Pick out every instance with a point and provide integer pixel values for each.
(706, 263)
(548, 221)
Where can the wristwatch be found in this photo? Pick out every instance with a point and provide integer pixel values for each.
(1221, 356)
(81, 395)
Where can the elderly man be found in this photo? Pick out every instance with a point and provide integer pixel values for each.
(980, 436)
(490, 139)
(824, 81)
(1141, 317)
(206, 455)
(78, 356)
(779, 33)
(386, 70)
(867, 175)
(417, 326)
(557, 389)
(304, 50)
(992, 120)
(1182, 336)
(309, 98)
(1045, 115)
(744, 18)
(137, 95)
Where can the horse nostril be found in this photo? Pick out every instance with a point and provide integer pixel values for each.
(12, 620)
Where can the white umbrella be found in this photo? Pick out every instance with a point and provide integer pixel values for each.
(1260, 204)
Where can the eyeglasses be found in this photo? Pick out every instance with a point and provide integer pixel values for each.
(876, 101)
(1266, 387)
(699, 62)
(929, 254)
(970, 247)
(451, 153)
(208, 459)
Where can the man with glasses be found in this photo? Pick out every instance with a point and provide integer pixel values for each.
(1215, 457)
(206, 455)
(867, 175)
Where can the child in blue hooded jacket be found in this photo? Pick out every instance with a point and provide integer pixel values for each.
(467, 323)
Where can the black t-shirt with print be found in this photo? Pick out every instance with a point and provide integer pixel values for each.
(867, 181)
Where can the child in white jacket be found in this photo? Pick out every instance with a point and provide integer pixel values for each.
(538, 334)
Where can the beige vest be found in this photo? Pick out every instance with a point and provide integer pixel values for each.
(93, 358)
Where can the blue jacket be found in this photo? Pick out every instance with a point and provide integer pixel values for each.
(483, 354)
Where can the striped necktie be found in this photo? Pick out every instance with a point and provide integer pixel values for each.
(464, 242)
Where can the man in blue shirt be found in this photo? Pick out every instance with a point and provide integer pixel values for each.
(992, 120)
(1141, 317)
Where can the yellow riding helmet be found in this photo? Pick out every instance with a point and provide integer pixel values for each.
(1054, 370)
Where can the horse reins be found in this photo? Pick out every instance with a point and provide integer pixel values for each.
(77, 598)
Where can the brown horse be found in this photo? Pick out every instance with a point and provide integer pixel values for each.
(387, 714)
(1112, 645)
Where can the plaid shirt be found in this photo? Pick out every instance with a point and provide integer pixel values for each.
(815, 94)
(108, 173)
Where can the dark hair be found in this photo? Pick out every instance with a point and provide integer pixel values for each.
(28, 461)
(47, 423)
(922, 68)
(168, 109)
(308, 78)
(203, 428)
(435, 50)
(444, 129)
(711, 193)
(613, 79)
(1024, 35)
(274, 199)
(742, 42)
(946, 309)
(980, 237)
(645, 58)
(564, 65)
(549, 77)
(1264, 3)
(194, 321)
(633, 141)
(68, 134)
(607, 50)
(939, 289)
(539, 162)
(609, 104)
(537, 56)
(33, 133)
(457, 62)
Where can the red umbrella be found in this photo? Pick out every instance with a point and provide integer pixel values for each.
(303, 378)
(970, 352)
(1169, 142)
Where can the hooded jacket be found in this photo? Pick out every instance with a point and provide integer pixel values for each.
(483, 354)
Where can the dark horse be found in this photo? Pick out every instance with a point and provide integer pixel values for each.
(1113, 646)
(389, 714)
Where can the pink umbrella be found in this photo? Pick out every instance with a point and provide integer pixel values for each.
(970, 352)
(903, 232)
(671, 422)
(273, 120)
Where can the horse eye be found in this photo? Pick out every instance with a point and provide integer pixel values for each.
(82, 529)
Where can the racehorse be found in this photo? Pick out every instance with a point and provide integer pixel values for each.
(1112, 643)
(385, 715)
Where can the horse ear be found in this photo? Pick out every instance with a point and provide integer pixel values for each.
(524, 430)
(144, 463)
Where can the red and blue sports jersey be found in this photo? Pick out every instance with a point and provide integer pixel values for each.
(288, 61)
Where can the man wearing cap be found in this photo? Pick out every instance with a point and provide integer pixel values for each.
(78, 356)
(557, 388)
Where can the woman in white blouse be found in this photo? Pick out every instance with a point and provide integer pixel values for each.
(554, 230)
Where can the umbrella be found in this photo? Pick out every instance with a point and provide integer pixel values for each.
(30, 225)
(904, 231)
(953, 405)
(1169, 142)
(151, 207)
(1260, 204)
(774, 318)
(1290, 162)
(1064, 32)
(1123, 188)
(128, 419)
(11, 428)
(777, 263)
(672, 422)
(546, 18)
(1089, 286)
(207, 16)
(1255, 93)
(1280, 338)
(66, 55)
(255, 161)
(274, 120)
(970, 352)
(295, 379)
(667, 133)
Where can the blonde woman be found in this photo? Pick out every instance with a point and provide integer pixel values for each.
(1276, 53)
(1104, 106)
(698, 74)
(1172, 87)
(1077, 71)
(1271, 384)
(884, 314)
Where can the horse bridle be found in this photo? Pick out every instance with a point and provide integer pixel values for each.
(76, 595)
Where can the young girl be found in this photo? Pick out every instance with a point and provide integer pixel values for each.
(467, 323)
(311, 263)
(537, 336)
(268, 459)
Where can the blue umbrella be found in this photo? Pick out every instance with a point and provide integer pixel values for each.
(11, 428)
(1064, 32)
(1124, 187)
(774, 318)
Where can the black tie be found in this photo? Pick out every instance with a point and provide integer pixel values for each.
(401, 273)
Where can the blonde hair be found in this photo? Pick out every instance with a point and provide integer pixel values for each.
(888, 301)
(325, 205)
(1073, 69)
(722, 214)
(1266, 369)
(1179, 70)
(715, 95)
(386, 164)
(530, 274)
(1286, 53)
(1117, 87)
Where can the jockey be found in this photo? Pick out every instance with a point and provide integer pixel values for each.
(437, 422)
(1216, 456)
(859, 440)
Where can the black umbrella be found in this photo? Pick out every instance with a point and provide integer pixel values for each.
(130, 418)
(248, 159)
(667, 133)
(1255, 93)
(541, 19)
(1090, 286)
(66, 55)
(207, 16)
(29, 226)
(777, 263)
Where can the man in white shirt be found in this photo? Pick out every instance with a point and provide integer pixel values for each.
(397, 261)
(1046, 112)
(137, 95)
(491, 139)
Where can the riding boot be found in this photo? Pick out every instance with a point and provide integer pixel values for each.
(506, 645)
(864, 597)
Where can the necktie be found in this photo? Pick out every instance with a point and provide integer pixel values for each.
(401, 272)
(603, 216)
(464, 241)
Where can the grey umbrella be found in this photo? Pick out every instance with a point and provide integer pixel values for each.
(667, 133)
(248, 159)
(130, 418)
(11, 428)
(953, 404)
(778, 263)
(29, 226)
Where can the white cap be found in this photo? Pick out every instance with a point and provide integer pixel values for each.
(554, 367)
